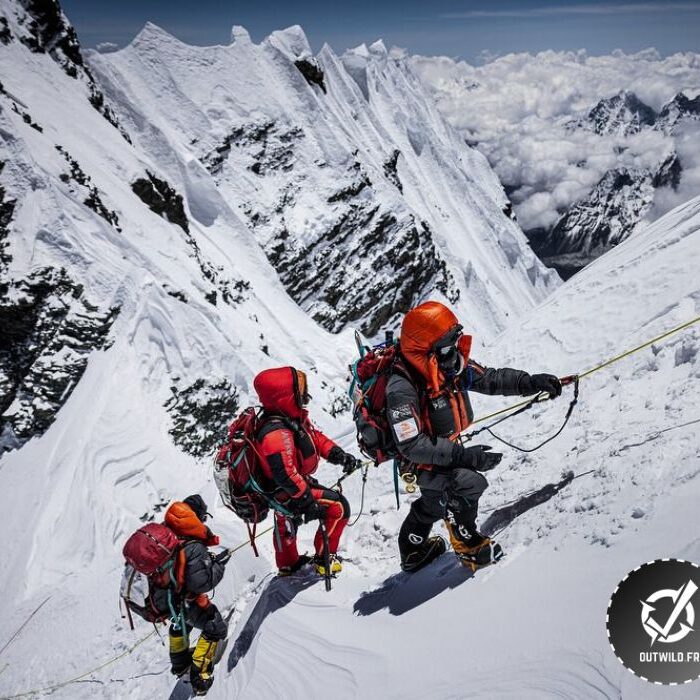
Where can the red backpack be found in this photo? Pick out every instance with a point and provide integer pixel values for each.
(238, 472)
(150, 555)
(370, 376)
(151, 548)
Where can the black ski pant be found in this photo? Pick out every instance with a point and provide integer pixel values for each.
(206, 618)
(452, 494)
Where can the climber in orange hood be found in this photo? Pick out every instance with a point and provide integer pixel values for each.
(428, 406)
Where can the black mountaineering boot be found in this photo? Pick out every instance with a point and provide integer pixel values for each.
(430, 550)
(299, 564)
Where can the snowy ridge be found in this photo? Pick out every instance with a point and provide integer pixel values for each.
(337, 185)
(107, 462)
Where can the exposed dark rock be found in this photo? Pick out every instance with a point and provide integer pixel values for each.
(623, 114)
(150, 515)
(391, 170)
(508, 211)
(351, 190)
(7, 210)
(26, 118)
(201, 413)
(679, 109)
(268, 145)
(669, 174)
(92, 198)
(391, 262)
(161, 199)
(311, 72)
(340, 401)
(49, 330)
(597, 223)
(177, 294)
(97, 100)
(50, 32)
(5, 33)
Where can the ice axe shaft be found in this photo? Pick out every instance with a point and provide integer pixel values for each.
(326, 555)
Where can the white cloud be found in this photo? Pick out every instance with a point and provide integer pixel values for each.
(107, 47)
(519, 108)
(688, 149)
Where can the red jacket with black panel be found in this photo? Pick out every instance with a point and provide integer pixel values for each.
(289, 444)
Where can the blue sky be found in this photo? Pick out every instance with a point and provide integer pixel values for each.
(463, 28)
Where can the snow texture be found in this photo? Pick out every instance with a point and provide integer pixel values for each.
(207, 302)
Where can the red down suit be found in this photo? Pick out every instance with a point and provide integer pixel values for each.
(290, 447)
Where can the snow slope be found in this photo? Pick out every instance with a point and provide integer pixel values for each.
(132, 276)
(532, 627)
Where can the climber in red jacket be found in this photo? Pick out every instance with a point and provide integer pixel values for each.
(290, 447)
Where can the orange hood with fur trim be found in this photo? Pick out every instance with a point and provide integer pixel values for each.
(183, 521)
(422, 327)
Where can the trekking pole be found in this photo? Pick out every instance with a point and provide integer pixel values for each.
(326, 555)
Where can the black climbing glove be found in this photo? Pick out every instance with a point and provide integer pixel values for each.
(477, 457)
(315, 511)
(223, 557)
(348, 461)
(533, 383)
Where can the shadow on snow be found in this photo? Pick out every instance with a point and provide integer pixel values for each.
(403, 592)
(280, 592)
(501, 517)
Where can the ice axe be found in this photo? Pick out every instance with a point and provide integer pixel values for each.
(328, 575)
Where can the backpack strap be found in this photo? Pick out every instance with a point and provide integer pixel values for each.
(273, 421)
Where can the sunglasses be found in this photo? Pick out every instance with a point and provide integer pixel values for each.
(446, 345)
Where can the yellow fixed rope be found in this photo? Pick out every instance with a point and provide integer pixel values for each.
(56, 686)
(607, 363)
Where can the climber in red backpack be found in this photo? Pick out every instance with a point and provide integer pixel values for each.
(180, 571)
(290, 447)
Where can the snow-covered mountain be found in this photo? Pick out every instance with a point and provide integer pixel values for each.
(619, 203)
(142, 293)
(589, 148)
(622, 114)
(359, 193)
(255, 166)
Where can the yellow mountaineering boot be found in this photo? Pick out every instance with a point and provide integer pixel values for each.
(180, 656)
(336, 565)
(474, 551)
(201, 671)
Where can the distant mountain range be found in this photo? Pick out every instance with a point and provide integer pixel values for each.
(618, 203)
